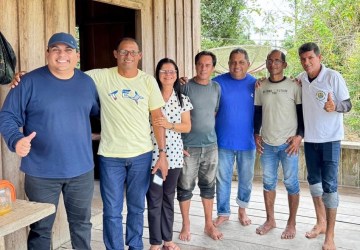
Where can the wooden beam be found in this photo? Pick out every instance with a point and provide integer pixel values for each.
(159, 30)
(147, 37)
(196, 29)
(170, 29)
(179, 23)
(31, 34)
(137, 5)
(188, 50)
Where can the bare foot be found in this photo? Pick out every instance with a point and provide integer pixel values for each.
(220, 220)
(289, 232)
(243, 218)
(213, 232)
(185, 234)
(315, 231)
(265, 228)
(329, 245)
(169, 245)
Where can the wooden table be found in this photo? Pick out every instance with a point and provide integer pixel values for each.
(22, 215)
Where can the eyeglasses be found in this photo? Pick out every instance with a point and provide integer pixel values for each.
(56, 50)
(165, 72)
(124, 52)
(275, 62)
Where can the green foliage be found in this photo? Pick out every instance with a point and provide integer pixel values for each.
(222, 23)
(352, 75)
(335, 26)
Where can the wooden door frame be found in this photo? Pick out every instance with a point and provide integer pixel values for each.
(143, 28)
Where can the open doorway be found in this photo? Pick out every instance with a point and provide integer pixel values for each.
(100, 27)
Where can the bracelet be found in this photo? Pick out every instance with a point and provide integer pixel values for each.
(162, 150)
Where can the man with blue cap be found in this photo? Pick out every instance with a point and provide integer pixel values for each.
(53, 105)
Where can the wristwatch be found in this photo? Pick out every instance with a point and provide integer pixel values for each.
(162, 150)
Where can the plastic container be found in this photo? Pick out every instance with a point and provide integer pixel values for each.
(7, 196)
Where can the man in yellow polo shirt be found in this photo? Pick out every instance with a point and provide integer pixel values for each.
(127, 96)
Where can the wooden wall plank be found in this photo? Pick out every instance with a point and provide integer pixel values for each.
(8, 27)
(138, 25)
(159, 30)
(179, 22)
(71, 17)
(138, 5)
(147, 37)
(196, 29)
(9, 24)
(170, 29)
(56, 17)
(31, 34)
(188, 50)
(10, 162)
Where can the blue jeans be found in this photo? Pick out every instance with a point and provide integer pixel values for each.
(245, 161)
(119, 175)
(270, 159)
(322, 163)
(77, 193)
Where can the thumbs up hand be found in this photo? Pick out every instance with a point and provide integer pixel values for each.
(23, 146)
(330, 104)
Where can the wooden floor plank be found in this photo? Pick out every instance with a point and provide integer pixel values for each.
(236, 236)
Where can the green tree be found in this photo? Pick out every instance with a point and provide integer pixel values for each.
(223, 23)
(335, 26)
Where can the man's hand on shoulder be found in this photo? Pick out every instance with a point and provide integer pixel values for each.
(16, 79)
(259, 82)
(296, 80)
(183, 80)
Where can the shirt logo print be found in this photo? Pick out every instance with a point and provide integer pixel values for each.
(136, 97)
(320, 95)
(113, 95)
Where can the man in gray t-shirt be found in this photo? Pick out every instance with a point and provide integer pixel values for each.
(206, 100)
(278, 112)
(200, 147)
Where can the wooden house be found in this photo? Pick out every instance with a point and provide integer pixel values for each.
(164, 28)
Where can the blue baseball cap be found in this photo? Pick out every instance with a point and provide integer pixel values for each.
(64, 38)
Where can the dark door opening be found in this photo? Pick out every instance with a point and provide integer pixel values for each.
(100, 27)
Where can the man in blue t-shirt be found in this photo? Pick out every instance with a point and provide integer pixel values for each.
(235, 136)
(52, 105)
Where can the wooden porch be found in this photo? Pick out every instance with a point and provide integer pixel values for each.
(238, 237)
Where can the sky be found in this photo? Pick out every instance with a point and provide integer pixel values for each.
(277, 32)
